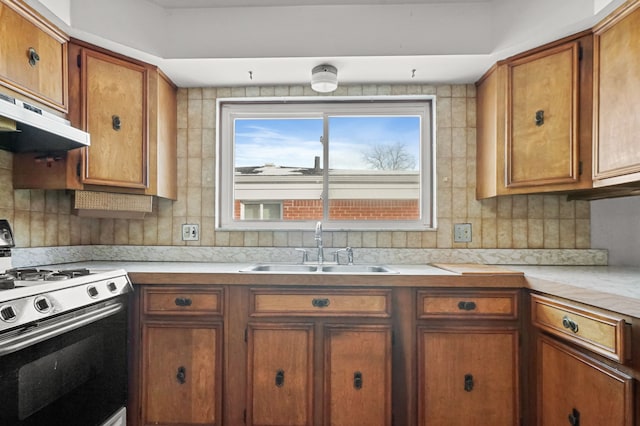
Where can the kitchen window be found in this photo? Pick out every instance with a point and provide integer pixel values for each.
(352, 163)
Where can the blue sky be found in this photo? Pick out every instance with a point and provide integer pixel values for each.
(296, 142)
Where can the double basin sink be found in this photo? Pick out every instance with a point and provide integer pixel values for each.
(330, 268)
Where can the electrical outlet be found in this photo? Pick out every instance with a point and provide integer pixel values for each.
(462, 233)
(190, 232)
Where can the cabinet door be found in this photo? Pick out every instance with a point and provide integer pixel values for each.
(542, 118)
(468, 377)
(114, 112)
(617, 89)
(181, 368)
(280, 374)
(33, 55)
(357, 375)
(573, 387)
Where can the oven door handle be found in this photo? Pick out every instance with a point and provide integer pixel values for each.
(41, 333)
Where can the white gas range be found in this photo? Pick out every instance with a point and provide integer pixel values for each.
(63, 342)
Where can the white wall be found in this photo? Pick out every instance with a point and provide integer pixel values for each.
(615, 225)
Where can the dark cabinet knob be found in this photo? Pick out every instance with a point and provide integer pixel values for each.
(570, 324)
(466, 306)
(34, 58)
(574, 418)
(181, 375)
(468, 382)
(280, 378)
(183, 301)
(320, 303)
(539, 118)
(357, 380)
(116, 123)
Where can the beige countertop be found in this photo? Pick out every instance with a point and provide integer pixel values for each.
(613, 288)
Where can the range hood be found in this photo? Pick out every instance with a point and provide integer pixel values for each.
(26, 128)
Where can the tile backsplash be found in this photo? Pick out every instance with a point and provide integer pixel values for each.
(43, 218)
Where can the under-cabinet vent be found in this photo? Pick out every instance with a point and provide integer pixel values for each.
(109, 205)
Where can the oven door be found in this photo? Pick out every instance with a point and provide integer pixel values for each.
(70, 370)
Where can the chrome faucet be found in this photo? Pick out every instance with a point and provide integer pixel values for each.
(318, 238)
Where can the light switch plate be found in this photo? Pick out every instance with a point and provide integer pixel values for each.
(190, 232)
(462, 233)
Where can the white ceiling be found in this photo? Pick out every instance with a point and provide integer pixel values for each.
(189, 4)
(200, 43)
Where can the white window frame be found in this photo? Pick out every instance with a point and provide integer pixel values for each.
(228, 109)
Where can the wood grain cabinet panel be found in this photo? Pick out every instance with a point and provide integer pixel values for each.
(280, 388)
(33, 56)
(181, 374)
(178, 356)
(468, 376)
(335, 302)
(617, 89)
(114, 112)
(468, 304)
(534, 122)
(573, 388)
(357, 375)
(182, 301)
(604, 333)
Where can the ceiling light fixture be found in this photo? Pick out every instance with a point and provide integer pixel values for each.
(324, 78)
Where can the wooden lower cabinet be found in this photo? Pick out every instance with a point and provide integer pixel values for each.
(180, 373)
(292, 382)
(468, 376)
(280, 378)
(321, 356)
(575, 389)
(357, 375)
(177, 337)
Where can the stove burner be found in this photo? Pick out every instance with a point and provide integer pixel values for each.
(56, 276)
(34, 274)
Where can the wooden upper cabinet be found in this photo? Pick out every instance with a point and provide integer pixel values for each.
(33, 56)
(617, 89)
(129, 109)
(113, 100)
(531, 135)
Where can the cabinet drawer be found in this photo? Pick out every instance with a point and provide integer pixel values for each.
(369, 303)
(604, 333)
(468, 304)
(178, 301)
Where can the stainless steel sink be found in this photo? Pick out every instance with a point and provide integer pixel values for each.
(280, 267)
(299, 268)
(358, 269)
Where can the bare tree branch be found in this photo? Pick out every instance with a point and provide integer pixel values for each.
(392, 156)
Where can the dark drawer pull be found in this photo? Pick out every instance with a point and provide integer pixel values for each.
(181, 375)
(357, 380)
(570, 324)
(574, 418)
(468, 382)
(183, 301)
(539, 118)
(280, 378)
(320, 303)
(466, 306)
